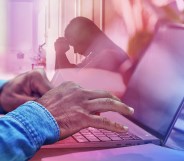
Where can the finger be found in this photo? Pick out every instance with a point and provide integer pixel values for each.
(99, 94)
(108, 104)
(25, 98)
(20, 99)
(39, 82)
(104, 123)
(42, 72)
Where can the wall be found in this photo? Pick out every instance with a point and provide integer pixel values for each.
(20, 35)
(30, 23)
(60, 12)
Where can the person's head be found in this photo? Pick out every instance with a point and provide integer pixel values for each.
(81, 32)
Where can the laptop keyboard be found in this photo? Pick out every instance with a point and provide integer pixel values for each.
(101, 135)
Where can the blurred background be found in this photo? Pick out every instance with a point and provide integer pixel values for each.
(29, 28)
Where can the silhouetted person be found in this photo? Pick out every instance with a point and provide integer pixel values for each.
(88, 40)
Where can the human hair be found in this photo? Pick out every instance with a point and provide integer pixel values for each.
(82, 30)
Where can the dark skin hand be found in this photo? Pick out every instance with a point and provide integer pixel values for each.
(61, 45)
(25, 87)
(74, 108)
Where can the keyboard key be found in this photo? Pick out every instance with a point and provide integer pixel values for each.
(85, 133)
(93, 139)
(112, 135)
(100, 135)
(89, 135)
(96, 135)
(104, 139)
(81, 140)
(115, 138)
(77, 134)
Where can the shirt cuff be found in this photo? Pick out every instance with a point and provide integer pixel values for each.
(2, 82)
(38, 122)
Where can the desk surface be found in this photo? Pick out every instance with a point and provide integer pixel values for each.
(148, 152)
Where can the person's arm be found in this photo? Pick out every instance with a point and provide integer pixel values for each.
(24, 130)
(25, 87)
(71, 107)
(2, 82)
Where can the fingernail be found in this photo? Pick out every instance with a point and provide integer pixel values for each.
(131, 110)
(125, 128)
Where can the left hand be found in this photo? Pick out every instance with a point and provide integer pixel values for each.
(25, 87)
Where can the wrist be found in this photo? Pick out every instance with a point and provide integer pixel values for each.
(32, 116)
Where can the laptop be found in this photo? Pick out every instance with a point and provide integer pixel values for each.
(155, 91)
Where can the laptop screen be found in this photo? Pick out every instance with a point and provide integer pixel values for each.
(156, 88)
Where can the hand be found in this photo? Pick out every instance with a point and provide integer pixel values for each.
(25, 87)
(74, 107)
(61, 45)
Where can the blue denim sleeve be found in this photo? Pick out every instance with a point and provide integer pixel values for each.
(2, 82)
(24, 130)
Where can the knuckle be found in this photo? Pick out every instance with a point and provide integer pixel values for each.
(83, 115)
(35, 74)
(86, 105)
(70, 85)
(58, 96)
(85, 92)
(105, 93)
(78, 93)
(109, 101)
(105, 121)
(108, 94)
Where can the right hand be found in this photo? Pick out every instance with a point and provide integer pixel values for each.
(61, 45)
(25, 87)
(74, 107)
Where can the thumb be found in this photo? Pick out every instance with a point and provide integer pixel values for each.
(20, 99)
(40, 83)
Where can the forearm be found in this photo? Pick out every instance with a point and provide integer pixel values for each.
(25, 130)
